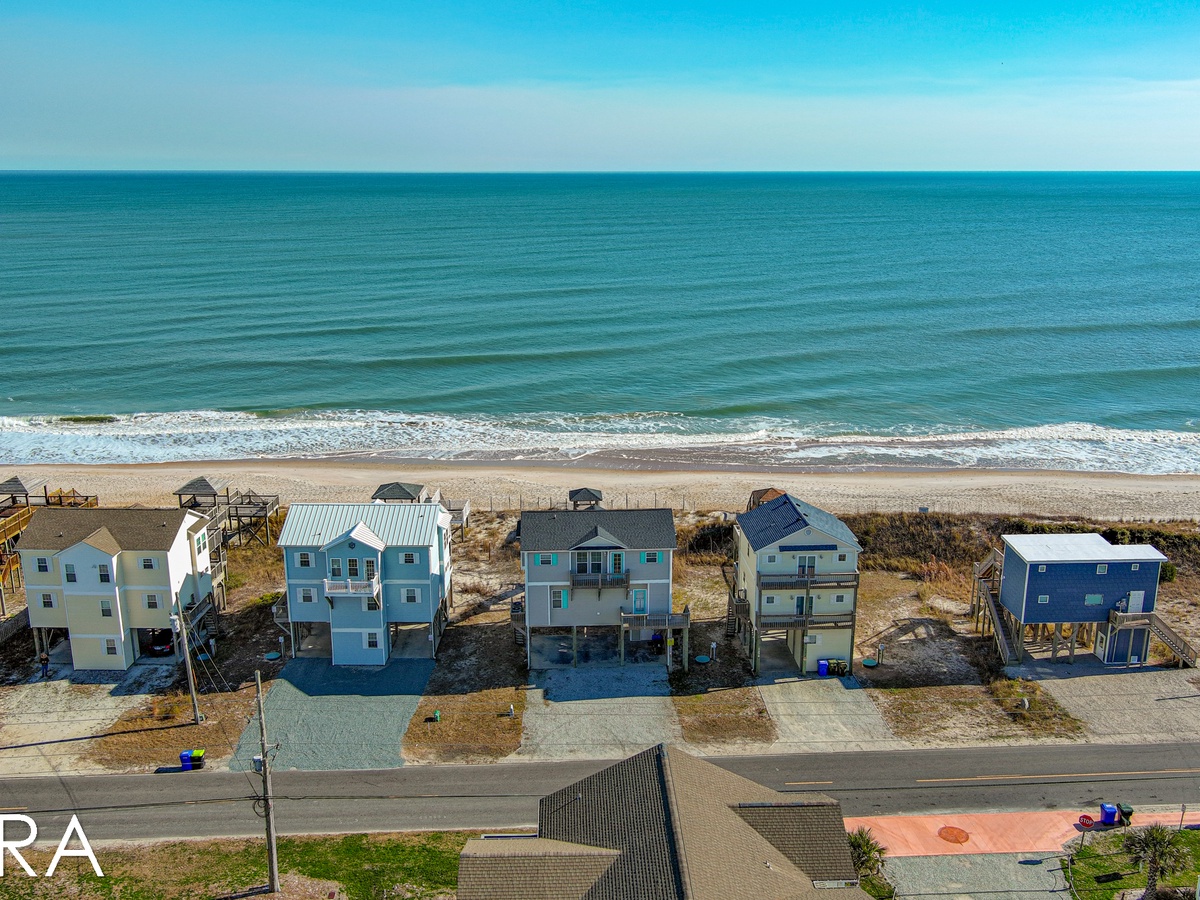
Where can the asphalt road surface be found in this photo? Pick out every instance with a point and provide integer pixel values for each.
(504, 797)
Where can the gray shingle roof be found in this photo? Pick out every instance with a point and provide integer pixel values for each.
(18, 484)
(54, 529)
(648, 529)
(777, 519)
(529, 869)
(585, 495)
(683, 828)
(398, 490)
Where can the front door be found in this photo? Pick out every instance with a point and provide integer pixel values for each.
(1136, 600)
(639, 602)
(618, 563)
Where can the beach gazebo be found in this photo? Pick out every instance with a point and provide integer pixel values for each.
(204, 493)
(585, 498)
(401, 492)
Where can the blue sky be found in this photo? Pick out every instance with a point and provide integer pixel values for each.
(542, 86)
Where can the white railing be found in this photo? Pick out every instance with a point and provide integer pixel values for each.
(352, 586)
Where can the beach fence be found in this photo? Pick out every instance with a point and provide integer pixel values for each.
(519, 502)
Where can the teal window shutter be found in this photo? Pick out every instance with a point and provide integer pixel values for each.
(554, 562)
(535, 559)
(643, 559)
(565, 597)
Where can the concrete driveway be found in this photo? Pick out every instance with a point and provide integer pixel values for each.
(337, 717)
(824, 715)
(597, 712)
(995, 876)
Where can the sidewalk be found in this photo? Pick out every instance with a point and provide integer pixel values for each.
(1044, 831)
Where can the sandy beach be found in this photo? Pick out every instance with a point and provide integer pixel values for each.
(513, 485)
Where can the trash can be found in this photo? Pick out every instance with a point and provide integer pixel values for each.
(185, 760)
(1108, 814)
(823, 667)
(198, 758)
(1126, 812)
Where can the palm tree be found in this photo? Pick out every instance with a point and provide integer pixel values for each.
(868, 854)
(1158, 847)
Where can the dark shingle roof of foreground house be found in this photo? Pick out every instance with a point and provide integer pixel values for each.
(119, 529)
(565, 529)
(776, 519)
(681, 829)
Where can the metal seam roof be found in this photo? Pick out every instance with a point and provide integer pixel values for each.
(396, 524)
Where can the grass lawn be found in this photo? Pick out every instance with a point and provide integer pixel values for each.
(418, 866)
(1101, 870)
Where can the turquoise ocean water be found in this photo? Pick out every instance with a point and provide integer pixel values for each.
(1042, 321)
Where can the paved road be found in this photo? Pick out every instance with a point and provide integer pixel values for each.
(505, 796)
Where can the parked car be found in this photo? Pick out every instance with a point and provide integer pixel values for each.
(161, 643)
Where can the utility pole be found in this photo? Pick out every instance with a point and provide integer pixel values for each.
(268, 801)
(181, 622)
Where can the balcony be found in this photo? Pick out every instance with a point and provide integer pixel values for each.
(348, 587)
(806, 579)
(657, 620)
(600, 581)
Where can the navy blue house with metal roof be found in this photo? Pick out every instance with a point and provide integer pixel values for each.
(1078, 590)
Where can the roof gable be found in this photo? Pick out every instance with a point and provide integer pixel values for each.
(204, 486)
(361, 534)
(102, 539)
(774, 520)
(648, 529)
(399, 490)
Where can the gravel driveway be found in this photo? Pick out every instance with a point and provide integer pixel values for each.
(993, 876)
(598, 712)
(337, 717)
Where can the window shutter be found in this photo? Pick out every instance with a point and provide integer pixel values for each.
(565, 598)
(643, 559)
(554, 561)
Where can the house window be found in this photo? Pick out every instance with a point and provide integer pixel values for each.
(770, 599)
(110, 647)
(544, 559)
(839, 598)
(1041, 568)
(410, 595)
(106, 609)
(372, 640)
(1093, 599)
(1043, 598)
(152, 601)
(1133, 568)
(1102, 569)
(147, 563)
(306, 595)
(335, 568)
(410, 559)
(651, 556)
(304, 560)
(558, 599)
(841, 557)
(352, 568)
(105, 577)
(43, 564)
(47, 601)
(770, 557)
(370, 567)
(372, 604)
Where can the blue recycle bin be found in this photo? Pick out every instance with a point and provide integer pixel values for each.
(823, 668)
(1108, 814)
(185, 762)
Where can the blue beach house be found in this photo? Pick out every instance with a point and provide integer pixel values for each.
(365, 581)
(1078, 590)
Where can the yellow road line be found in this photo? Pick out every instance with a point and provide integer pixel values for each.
(1060, 775)
(13, 808)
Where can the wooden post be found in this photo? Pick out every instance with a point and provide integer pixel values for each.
(1054, 642)
(622, 641)
(574, 645)
(1074, 635)
(685, 649)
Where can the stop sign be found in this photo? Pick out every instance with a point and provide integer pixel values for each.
(1087, 821)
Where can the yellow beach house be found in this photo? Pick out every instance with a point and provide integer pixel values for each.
(112, 579)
